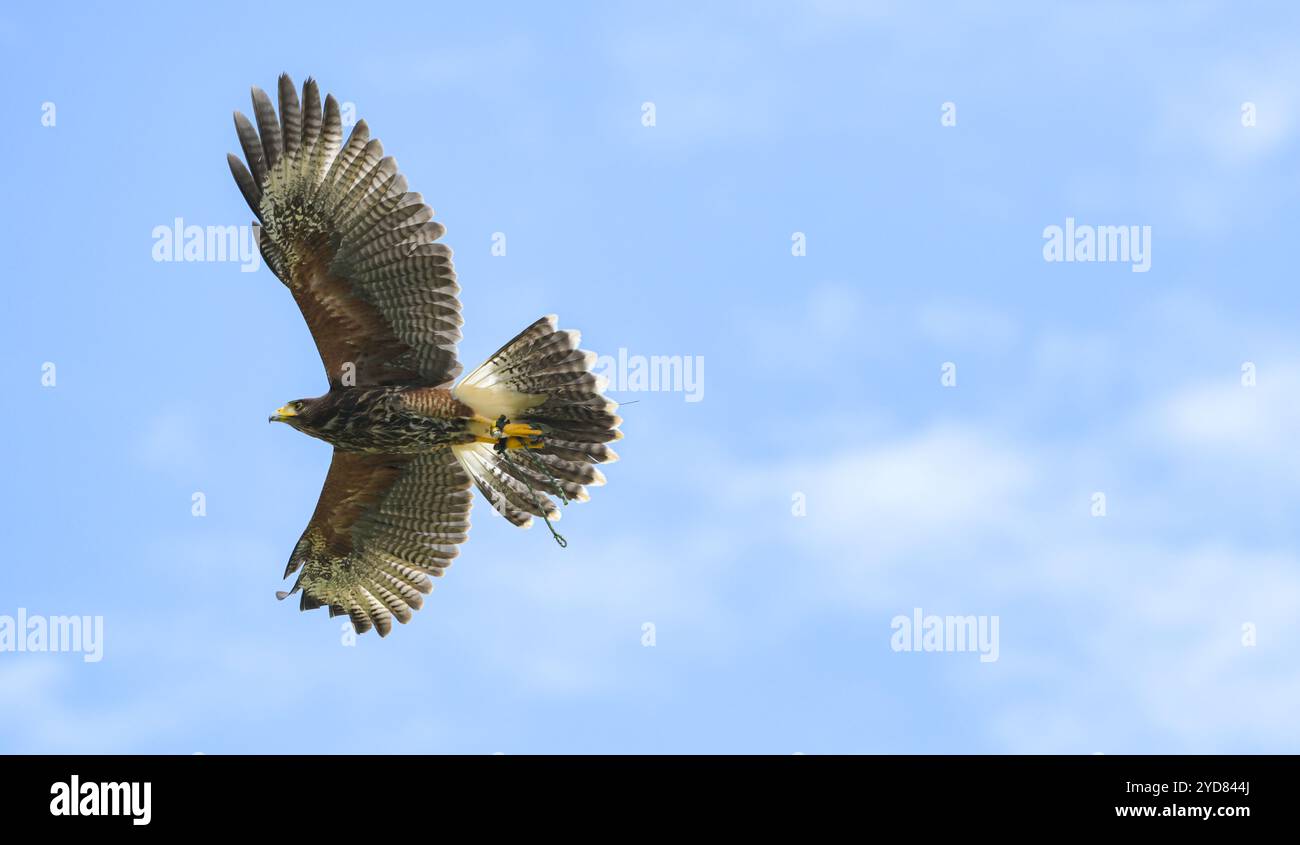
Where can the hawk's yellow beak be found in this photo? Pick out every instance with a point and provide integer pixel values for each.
(282, 414)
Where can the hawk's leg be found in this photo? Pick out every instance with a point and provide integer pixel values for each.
(507, 435)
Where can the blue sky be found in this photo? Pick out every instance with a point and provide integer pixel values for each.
(1167, 625)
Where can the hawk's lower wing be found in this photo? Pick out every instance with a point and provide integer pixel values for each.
(384, 523)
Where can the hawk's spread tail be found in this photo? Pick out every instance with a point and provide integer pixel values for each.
(544, 381)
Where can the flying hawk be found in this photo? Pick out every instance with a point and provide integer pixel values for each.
(360, 255)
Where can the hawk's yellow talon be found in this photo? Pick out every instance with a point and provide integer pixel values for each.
(524, 443)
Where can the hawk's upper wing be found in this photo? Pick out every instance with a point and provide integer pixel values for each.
(357, 251)
(384, 523)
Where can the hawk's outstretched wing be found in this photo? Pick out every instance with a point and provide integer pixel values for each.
(384, 523)
(356, 249)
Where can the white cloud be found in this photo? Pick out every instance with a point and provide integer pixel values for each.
(1211, 177)
(1223, 419)
(1119, 633)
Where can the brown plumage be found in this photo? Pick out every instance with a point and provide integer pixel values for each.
(360, 255)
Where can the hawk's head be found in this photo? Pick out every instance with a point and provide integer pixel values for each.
(299, 413)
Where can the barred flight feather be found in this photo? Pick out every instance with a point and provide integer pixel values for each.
(358, 251)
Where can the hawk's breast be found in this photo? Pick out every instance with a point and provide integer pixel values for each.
(394, 420)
